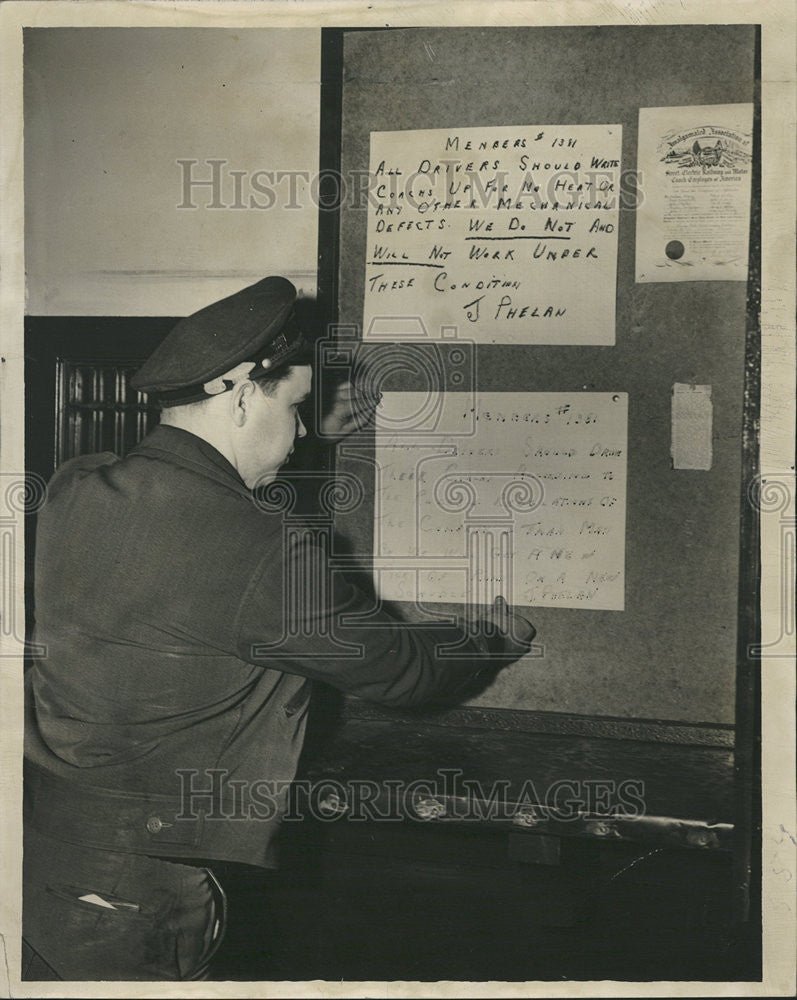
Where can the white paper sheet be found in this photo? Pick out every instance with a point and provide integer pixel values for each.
(691, 426)
(521, 494)
(693, 215)
(507, 233)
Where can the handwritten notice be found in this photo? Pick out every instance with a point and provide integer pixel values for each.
(518, 494)
(695, 166)
(508, 234)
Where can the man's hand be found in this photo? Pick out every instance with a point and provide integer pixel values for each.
(515, 633)
(509, 636)
(349, 410)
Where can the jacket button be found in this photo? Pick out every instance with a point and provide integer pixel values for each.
(154, 824)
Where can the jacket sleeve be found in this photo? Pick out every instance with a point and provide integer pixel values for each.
(303, 617)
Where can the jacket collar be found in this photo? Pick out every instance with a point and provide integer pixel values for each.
(173, 444)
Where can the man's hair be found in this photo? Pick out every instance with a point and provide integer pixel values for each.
(184, 408)
(267, 382)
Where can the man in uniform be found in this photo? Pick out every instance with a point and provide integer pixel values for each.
(174, 660)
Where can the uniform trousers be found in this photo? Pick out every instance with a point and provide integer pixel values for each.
(92, 915)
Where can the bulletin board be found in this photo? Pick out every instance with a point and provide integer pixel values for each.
(671, 652)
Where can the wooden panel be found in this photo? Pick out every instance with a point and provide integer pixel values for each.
(671, 654)
(544, 783)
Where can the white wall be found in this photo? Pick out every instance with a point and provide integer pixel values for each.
(110, 111)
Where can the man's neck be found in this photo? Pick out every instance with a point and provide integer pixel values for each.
(201, 422)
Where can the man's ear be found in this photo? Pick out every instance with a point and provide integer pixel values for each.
(240, 395)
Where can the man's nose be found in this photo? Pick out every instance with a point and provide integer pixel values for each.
(301, 430)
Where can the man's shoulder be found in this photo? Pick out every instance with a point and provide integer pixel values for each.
(158, 486)
(77, 468)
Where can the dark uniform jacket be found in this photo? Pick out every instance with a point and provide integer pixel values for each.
(181, 633)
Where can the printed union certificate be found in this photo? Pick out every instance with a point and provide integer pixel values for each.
(693, 214)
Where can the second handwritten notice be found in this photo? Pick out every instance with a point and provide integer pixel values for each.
(508, 234)
(517, 494)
